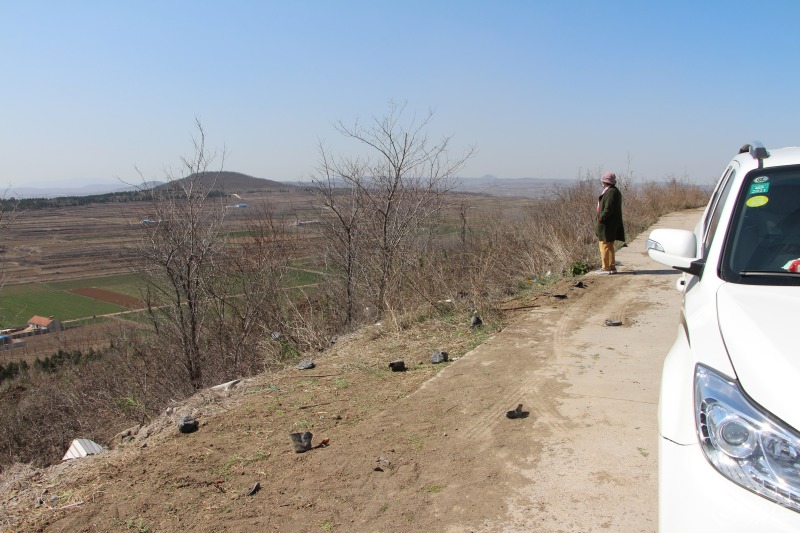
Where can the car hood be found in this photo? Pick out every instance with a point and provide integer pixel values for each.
(760, 325)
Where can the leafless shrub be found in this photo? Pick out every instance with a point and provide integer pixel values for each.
(210, 297)
(376, 208)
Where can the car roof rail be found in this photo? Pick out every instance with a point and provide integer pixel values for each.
(756, 150)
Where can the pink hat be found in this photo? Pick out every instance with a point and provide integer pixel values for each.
(609, 177)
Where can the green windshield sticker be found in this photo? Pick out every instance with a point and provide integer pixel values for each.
(759, 188)
(757, 201)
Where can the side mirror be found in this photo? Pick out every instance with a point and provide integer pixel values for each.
(675, 248)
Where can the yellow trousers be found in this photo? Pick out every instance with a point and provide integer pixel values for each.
(607, 255)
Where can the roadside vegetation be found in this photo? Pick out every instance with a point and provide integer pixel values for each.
(396, 243)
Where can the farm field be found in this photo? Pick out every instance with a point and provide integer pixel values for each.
(86, 242)
(92, 246)
(20, 302)
(90, 297)
(74, 263)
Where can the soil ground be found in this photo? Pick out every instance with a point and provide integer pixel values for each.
(111, 297)
(429, 449)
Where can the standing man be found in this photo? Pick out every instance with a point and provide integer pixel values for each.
(609, 222)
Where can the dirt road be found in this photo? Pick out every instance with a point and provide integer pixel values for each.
(442, 456)
(590, 463)
(586, 458)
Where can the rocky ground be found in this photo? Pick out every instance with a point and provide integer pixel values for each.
(428, 449)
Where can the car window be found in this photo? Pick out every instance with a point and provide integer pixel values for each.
(714, 197)
(763, 244)
(716, 211)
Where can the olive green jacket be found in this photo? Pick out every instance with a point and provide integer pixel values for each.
(609, 226)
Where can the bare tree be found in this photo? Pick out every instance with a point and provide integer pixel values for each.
(339, 191)
(379, 205)
(211, 298)
(181, 249)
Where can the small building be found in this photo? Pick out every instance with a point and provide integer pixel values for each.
(45, 324)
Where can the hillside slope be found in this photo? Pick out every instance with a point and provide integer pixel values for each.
(429, 449)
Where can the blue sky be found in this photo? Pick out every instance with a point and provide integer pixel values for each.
(92, 90)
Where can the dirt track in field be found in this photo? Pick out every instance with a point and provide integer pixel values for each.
(109, 296)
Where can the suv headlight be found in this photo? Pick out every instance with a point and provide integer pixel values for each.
(745, 443)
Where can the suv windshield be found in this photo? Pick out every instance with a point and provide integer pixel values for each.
(763, 242)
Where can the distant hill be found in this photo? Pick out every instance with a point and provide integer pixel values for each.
(227, 182)
(233, 182)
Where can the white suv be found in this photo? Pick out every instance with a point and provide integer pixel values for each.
(729, 450)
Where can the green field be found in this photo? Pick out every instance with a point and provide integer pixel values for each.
(18, 303)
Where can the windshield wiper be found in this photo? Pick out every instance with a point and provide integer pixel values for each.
(769, 274)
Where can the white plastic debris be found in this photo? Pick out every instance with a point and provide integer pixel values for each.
(226, 386)
(81, 448)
